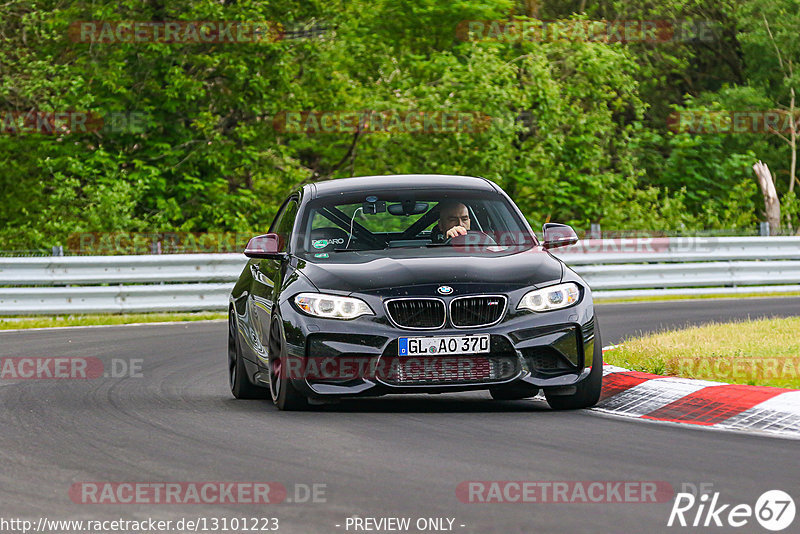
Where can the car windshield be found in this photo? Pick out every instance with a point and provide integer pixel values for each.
(418, 221)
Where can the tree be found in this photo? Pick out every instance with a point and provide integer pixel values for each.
(771, 203)
(772, 50)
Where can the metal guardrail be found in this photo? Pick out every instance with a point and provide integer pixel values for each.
(709, 274)
(680, 249)
(113, 299)
(88, 270)
(196, 282)
(117, 284)
(641, 267)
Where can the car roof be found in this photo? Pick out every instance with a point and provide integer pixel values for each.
(399, 181)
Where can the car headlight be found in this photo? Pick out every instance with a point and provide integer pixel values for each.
(332, 306)
(551, 298)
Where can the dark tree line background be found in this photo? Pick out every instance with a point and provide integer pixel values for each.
(580, 130)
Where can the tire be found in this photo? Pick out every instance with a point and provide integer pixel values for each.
(283, 393)
(588, 391)
(240, 384)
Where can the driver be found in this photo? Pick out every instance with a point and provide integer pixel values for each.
(453, 219)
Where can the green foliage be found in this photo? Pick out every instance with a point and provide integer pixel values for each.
(578, 130)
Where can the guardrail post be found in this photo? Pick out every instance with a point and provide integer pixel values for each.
(595, 231)
(763, 229)
(58, 250)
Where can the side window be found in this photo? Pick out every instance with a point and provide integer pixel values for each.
(285, 222)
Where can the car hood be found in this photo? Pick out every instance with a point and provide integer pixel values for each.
(365, 272)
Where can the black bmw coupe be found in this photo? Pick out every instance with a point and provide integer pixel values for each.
(410, 284)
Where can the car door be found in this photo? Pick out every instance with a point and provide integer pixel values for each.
(268, 275)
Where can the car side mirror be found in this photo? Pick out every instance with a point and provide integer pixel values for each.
(558, 235)
(267, 246)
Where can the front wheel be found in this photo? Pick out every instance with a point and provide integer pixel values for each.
(283, 393)
(241, 387)
(588, 391)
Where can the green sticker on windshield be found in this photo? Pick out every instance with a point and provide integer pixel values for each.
(320, 243)
(322, 255)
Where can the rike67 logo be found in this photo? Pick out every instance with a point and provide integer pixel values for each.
(774, 510)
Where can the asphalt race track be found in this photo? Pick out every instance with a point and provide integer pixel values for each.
(385, 457)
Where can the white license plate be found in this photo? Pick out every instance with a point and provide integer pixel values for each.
(445, 345)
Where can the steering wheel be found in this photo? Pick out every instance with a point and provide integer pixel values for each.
(472, 238)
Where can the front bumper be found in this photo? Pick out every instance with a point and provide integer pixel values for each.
(528, 350)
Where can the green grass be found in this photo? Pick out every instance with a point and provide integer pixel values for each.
(615, 300)
(10, 323)
(765, 352)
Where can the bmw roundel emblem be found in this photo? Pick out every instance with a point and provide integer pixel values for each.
(445, 290)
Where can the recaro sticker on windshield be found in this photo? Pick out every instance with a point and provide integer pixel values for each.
(322, 243)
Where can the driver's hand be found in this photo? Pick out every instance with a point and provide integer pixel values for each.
(454, 231)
